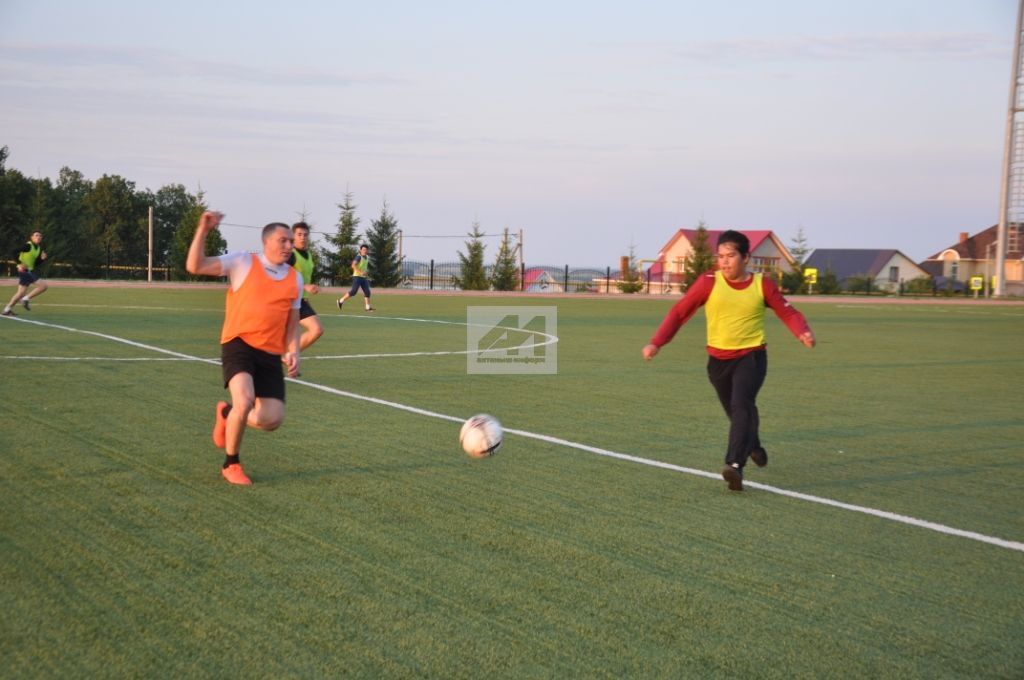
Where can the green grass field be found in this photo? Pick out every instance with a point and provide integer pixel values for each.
(371, 546)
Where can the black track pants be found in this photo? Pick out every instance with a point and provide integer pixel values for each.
(737, 382)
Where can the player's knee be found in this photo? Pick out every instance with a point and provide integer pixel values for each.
(243, 406)
(271, 422)
(41, 286)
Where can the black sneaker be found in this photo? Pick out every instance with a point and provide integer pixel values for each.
(371, 309)
(340, 303)
(734, 476)
(24, 303)
(8, 312)
(759, 456)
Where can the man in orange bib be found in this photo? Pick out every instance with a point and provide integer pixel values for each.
(735, 302)
(260, 332)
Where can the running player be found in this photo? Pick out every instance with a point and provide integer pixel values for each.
(27, 257)
(734, 301)
(261, 330)
(302, 259)
(360, 278)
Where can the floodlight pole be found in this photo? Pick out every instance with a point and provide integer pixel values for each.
(149, 267)
(1013, 109)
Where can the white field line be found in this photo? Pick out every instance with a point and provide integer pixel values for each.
(882, 514)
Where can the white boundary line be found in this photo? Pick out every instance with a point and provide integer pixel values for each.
(551, 339)
(882, 514)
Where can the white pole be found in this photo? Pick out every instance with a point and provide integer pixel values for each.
(149, 273)
(1004, 193)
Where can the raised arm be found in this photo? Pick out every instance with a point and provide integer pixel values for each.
(197, 261)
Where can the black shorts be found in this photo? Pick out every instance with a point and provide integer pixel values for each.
(306, 310)
(360, 282)
(26, 278)
(237, 356)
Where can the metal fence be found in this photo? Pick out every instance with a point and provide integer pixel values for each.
(442, 276)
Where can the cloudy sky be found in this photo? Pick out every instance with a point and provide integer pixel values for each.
(591, 125)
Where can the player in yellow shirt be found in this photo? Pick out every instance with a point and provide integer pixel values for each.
(734, 303)
(302, 260)
(360, 278)
(27, 257)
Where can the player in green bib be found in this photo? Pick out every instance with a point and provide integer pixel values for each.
(360, 278)
(734, 301)
(302, 260)
(27, 257)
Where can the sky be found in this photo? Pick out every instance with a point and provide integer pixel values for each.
(593, 127)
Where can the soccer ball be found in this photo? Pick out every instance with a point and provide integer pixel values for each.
(481, 436)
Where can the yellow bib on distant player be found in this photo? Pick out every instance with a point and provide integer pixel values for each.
(735, 317)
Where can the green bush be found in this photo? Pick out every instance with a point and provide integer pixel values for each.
(922, 285)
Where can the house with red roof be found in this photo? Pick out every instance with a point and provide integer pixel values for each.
(541, 280)
(767, 254)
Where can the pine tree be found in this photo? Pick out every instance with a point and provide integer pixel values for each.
(505, 275)
(700, 259)
(799, 249)
(343, 244)
(472, 274)
(215, 243)
(382, 238)
(793, 280)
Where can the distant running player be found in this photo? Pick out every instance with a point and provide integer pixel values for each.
(360, 278)
(27, 257)
(302, 260)
(261, 330)
(734, 302)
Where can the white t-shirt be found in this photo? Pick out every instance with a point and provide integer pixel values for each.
(236, 267)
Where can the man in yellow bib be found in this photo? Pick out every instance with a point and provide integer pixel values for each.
(360, 278)
(734, 301)
(302, 260)
(27, 257)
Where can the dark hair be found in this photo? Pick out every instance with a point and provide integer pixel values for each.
(740, 241)
(300, 225)
(364, 246)
(272, 227)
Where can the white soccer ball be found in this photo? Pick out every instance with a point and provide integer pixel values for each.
(481, 436)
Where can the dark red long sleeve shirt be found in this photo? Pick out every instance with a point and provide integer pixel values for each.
(699, 292)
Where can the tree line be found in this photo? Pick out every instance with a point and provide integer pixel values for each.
(93, 227)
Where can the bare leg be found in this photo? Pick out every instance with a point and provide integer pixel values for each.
(312, 333)
(249, 410)
(39, 289)
(17, 296)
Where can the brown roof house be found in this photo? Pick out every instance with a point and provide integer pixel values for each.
(976, 256)
(886, 268)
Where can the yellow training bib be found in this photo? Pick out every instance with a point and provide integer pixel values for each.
(735, 317)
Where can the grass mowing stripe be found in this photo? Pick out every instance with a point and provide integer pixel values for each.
(882, 514)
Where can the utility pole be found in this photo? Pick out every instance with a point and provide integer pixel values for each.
(1011, 194)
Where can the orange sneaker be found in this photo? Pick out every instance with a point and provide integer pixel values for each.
(235, 475)
(220, 425)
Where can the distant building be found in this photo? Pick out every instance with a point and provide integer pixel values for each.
(541, 280)
(976, 256)
(767, 254)
(887, 268)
